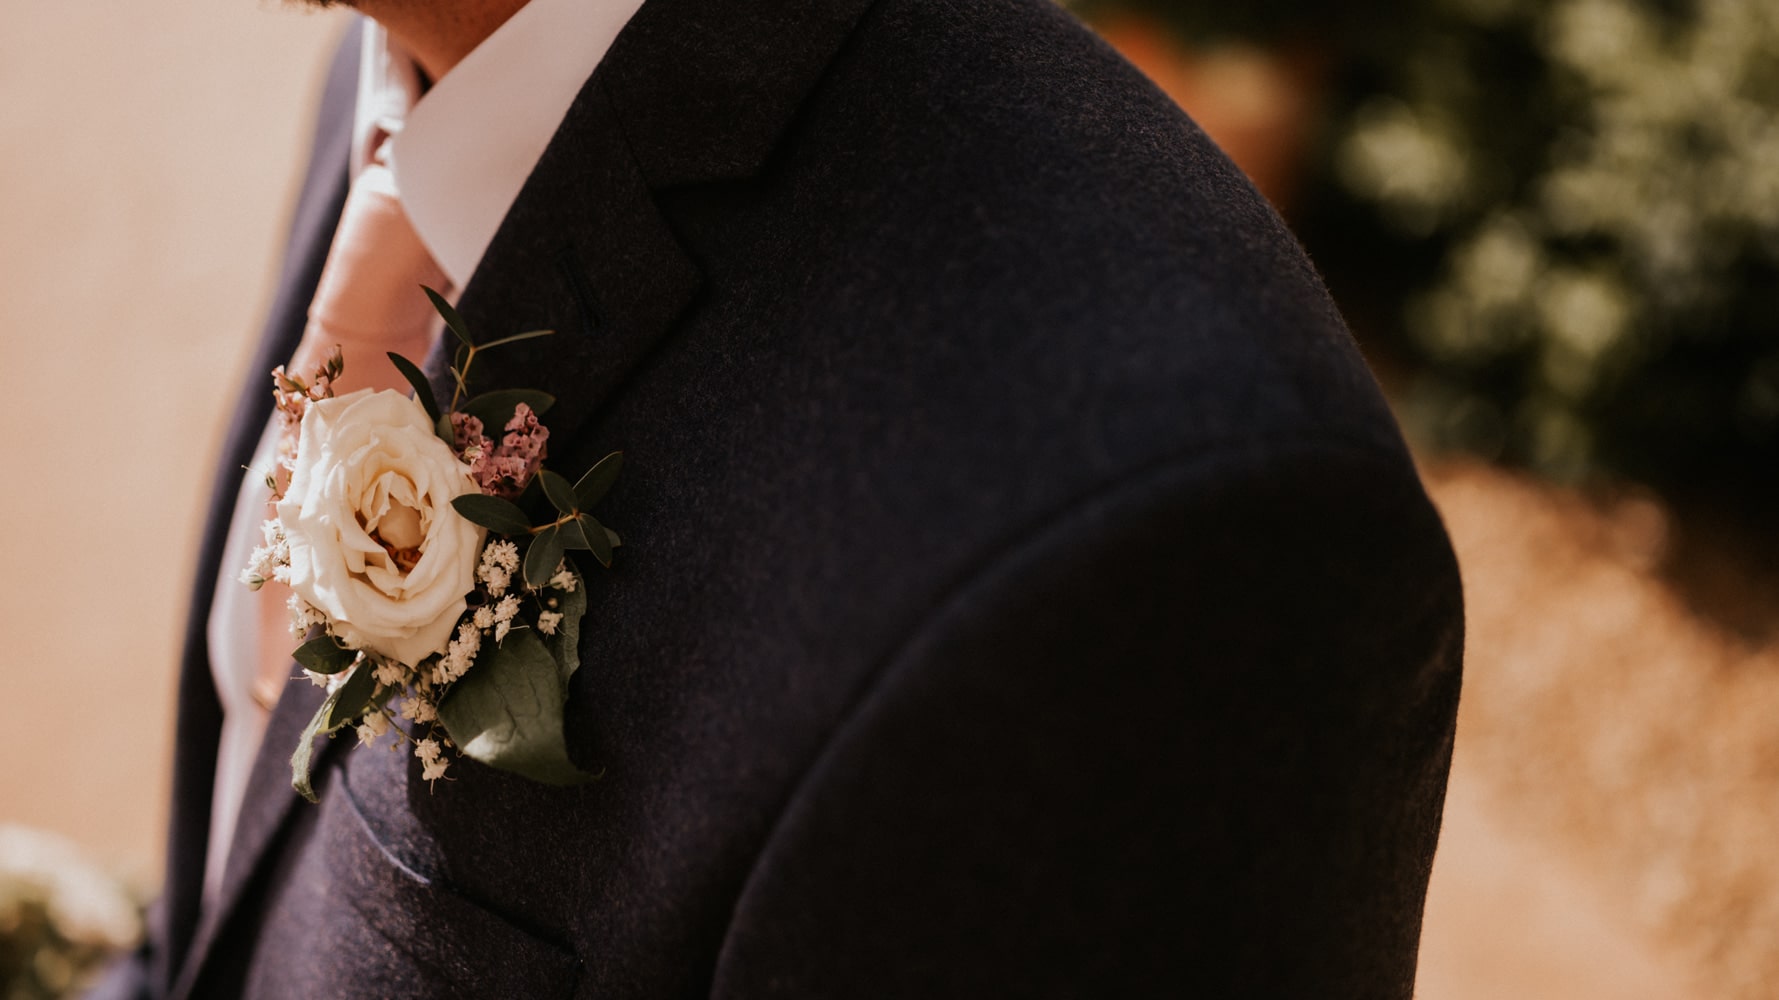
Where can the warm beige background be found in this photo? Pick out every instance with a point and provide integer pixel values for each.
(147, 156)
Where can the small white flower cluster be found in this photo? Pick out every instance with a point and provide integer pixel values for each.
(458, 656)
(432, 759)
(419, 710)
(372, 727)
(270, 561)
(500, 560)
(303, 616)
(497, 617)
(564, 580)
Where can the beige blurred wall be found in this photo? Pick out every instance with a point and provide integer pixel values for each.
(148, 157)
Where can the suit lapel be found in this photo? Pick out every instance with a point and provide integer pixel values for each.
(690, 92)
(265, 812)
(584, 252)
(704, 90)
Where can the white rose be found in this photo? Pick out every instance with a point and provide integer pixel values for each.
(374, 541)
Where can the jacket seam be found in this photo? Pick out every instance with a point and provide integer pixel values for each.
(1031, 535)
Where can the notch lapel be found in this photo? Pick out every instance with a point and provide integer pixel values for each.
(690, 92)
(584, 252)
(706, 88)
(268, 808)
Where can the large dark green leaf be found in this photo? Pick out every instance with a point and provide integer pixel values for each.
(354, 696)
(543, 556)
(560, 494)
(507, 711)
(305, 748)
(497, 515)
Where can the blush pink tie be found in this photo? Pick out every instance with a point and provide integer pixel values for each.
(369, 303)
(369, 300)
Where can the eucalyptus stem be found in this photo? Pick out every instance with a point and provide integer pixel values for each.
(538, 529)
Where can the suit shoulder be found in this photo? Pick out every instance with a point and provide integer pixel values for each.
(992, 175)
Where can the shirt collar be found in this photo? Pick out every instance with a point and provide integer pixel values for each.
(461, 152)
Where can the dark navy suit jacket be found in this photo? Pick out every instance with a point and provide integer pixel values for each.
(1027, 592)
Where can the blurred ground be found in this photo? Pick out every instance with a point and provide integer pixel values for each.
(1614, 736)
(1611, 802)
(1575, 861)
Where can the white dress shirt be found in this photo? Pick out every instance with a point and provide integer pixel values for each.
(459, 154)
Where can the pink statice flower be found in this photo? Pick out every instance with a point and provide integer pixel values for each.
(291, 396)
(470, 444)
(506, 470)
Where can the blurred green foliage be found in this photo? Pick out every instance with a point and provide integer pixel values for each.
(1264, 21)
(61, 917)
(1555, 221)
(1563, 217)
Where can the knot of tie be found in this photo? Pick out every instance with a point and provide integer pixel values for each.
(369, 301)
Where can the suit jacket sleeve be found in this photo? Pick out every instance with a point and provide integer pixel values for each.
(1189, 739)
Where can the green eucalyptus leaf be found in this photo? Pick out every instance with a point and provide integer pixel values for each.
(448, 434)
(422, 388)
(543, 556)
(599, 543)
(452, 319)
(612, 536)
(459, 372)
(497, 515)
(495, 408)
(324, 656)
(556, 488)
(574, 536)
(305, 748)
(515, 338)
(507, 711)
(598, 480)
(585, 534)
(354, 696)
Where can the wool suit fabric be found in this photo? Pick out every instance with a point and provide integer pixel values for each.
(1026, 591)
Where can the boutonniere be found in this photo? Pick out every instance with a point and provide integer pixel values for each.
(427, 551)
